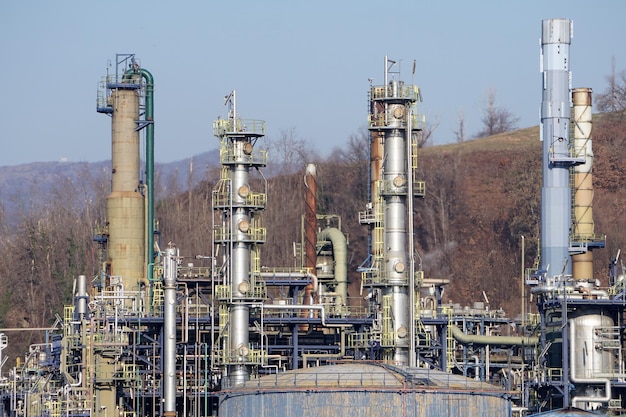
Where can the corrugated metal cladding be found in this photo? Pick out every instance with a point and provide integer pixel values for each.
(363, 391)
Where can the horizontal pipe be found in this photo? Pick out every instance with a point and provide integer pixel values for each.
(27, 329)
(492, 340)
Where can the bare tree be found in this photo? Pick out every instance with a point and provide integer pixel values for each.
(614, 97)
(288, 153)
(424, 136)
(459, 133)
(496, 119)
(357, 148)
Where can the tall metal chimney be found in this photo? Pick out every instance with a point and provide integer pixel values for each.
(555, 122)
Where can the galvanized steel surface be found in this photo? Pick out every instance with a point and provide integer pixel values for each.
(555, 122)
(359, 389)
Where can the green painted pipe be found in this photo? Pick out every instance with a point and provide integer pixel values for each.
(149, 117)
(491, 340)
(340, 255)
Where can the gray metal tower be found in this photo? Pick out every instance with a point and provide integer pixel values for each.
(238, 235)
(556, 198)
(393, 125)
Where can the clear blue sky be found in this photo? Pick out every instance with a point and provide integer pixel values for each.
(297, 65)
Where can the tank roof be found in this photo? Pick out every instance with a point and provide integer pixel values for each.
(369, 375)
(567, 412)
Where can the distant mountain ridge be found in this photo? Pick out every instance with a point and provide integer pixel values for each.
(20, 183)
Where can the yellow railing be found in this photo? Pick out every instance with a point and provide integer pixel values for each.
(449, 340)
(410, 92)
(221, 198)
(157, 294)
(254, 234)
(389, 335)
(555, 374)
(130, 375)
(257, 291)
(229, 156)
(241, 356)
(225, 127)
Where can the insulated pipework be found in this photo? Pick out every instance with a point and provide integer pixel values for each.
(582, 226)
(555, 123)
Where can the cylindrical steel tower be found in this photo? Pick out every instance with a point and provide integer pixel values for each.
(555, 121)
(239, 235)
(391, 115)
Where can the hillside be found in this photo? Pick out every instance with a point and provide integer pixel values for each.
(482, 196)
(485, 195)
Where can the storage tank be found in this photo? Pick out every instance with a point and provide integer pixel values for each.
(364, 389)
(590, 357)
(593, 339)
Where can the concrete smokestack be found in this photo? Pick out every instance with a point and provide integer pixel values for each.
(125, 204)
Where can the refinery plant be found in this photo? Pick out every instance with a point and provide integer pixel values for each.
(153, 335)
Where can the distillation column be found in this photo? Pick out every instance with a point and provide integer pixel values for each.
(125, 204)
(129, 231)
(239, 234)
(392, 123)
(126, 232)
(555, 122)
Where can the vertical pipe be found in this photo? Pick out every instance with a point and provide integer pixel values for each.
(411, 246)
(555, 121)
(310, 195)
(340, 257)
(296, 348)
(82, 297)
(149, 117)
(169, 331)
(376, 169)
(523, 287)
(583, 227)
